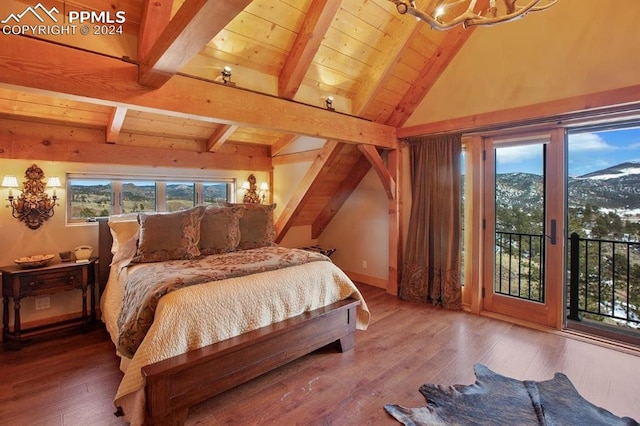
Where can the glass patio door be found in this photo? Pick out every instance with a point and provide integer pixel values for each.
(524, 234)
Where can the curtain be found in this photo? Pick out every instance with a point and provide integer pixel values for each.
(431, 267)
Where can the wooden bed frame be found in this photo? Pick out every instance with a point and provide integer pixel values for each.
(177, 383)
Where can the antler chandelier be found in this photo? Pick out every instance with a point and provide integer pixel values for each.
(450, 13)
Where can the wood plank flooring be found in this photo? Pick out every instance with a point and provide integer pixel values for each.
(72, 380)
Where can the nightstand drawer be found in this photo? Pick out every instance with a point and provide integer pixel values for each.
(33, 284)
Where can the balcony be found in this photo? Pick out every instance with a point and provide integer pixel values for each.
(603, 291)
(604, 287)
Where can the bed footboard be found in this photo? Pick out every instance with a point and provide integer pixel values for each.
(177, 383)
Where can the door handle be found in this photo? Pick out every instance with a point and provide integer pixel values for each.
(552, 237)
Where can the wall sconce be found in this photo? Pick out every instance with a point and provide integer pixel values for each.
(251, 194)
(226, 76)
(329, 103)
(33, 206)
(264, 188)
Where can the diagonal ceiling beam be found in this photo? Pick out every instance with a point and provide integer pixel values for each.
(116, 120)
(282, 143)
(451, 45)
(220, 136)
(371, 153)
(156, 14)
(35, 65)
(296, 157)
(394, 46)
(316, 23)
(327, 153)
(192, 27)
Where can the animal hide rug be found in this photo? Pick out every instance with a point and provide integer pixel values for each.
(495, 399)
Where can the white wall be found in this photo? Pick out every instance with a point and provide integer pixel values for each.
(360, 231)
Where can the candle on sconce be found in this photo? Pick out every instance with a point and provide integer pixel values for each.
(10, 182)
(54, 182)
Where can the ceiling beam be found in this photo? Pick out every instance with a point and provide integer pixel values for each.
(156, 14)
(451, 45)
(116, 120)
(220, 136)
(192, 27)
(313, 29)
(296, 157)
(23, 140)
(381, 170)
(293, 207)
(393, 47)
(282, 143)
(29, 64)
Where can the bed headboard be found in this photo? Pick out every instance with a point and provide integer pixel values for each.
(104, 251)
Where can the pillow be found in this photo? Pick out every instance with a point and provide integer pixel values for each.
(123, 228)
(256, 225)
(169, 236)
(219, 230)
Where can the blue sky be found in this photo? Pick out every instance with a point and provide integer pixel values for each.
(588, 152)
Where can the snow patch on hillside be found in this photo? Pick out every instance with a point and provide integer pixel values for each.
(623, 172)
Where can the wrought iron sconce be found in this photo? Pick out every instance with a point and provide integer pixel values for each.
(251, 194)
(33, 206)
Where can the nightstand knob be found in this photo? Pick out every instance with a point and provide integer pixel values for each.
(72, 278)
(32, 284)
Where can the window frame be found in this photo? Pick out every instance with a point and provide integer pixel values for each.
(160, 190)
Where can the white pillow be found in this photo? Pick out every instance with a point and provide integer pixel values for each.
(123, 228)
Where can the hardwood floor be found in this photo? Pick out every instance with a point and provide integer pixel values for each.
(72, 380)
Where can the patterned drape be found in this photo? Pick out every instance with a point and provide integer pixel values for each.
(431, 268)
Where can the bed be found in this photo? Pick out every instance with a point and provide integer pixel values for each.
(215, 330)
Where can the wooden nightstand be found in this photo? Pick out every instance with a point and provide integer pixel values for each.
(18, 283)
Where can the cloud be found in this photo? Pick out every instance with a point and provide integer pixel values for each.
(519, 154)
(588, 142)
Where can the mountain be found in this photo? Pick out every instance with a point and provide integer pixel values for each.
(628, 169)
(616, 187)
(521, 190)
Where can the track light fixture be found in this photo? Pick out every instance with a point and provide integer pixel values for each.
(226, 75)
(329, 103)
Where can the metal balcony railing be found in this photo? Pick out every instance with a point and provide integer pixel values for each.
(604, 281)
(519, 259)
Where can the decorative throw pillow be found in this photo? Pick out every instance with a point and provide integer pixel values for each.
(256, 226)
(169, 236)
(220, 230)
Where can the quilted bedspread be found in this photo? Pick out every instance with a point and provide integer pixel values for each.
(226, 309)
(149, 282)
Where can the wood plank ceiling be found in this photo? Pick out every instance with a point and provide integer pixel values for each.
(376, 64)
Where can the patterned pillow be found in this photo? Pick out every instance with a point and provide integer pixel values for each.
(256, 226)
(169, 236)
(220, 230)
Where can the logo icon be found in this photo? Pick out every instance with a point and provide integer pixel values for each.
(34, 11)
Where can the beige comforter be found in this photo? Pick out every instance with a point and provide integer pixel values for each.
(229, 308)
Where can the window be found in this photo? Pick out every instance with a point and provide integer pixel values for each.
(100, 196)
(180, 195)
(137, 196)
(89, 198)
